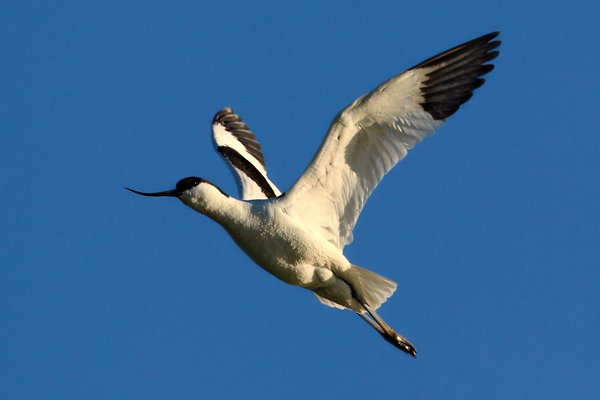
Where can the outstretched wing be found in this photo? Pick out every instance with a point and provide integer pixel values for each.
(239, 147)
(376, 131)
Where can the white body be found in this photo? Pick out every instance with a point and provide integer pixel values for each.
(280, 244)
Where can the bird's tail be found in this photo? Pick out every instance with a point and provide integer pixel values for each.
(373, 288)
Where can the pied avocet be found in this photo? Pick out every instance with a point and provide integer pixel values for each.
(299, 236)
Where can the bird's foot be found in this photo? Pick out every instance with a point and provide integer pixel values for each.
(401, 342)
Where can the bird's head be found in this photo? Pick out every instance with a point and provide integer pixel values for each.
(197, 193)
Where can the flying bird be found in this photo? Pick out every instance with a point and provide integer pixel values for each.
(299, 236)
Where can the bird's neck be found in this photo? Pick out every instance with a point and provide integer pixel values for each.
(211, 201)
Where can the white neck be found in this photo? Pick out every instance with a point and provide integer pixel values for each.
(209, 200)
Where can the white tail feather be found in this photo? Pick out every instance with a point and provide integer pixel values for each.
(374, 288)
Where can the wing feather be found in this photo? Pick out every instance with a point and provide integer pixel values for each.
(242, 152)
(377, 130)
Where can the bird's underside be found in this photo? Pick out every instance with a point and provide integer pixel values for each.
(364, 142)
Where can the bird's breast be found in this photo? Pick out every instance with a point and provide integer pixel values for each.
(284, 248)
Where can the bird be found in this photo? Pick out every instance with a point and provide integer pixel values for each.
(299, 235)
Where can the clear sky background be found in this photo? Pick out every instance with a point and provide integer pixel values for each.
(490, 227)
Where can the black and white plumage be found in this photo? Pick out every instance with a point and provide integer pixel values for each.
(299, 236)
(240, 149)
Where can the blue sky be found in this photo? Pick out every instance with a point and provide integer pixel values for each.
(490, 227)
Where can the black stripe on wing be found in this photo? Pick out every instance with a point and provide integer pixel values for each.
(241, 164)
(456, 73)
(233, 123)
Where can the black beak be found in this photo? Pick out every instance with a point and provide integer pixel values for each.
(170, 193)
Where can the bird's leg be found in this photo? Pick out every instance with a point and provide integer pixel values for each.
(370, 322)
(386, 331)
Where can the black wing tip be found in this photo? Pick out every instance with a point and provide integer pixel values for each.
(234, 124)
(455, 73)
(481, 41)
(221, 114)
(489, 36)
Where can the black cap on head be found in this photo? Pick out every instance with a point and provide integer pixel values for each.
(188, 183)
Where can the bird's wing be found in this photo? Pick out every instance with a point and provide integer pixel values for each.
(376, 131)
(240, 149)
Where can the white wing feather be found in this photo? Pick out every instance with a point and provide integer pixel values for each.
(376, 131)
